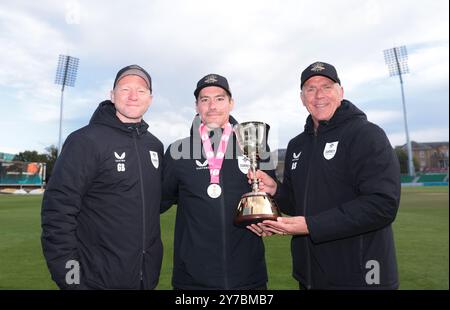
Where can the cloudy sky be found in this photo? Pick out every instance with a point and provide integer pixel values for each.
(261, 46)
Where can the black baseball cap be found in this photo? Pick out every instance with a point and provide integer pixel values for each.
(212, 80)
(134, 70)
(322, 69)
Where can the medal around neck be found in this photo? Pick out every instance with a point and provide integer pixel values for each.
(214, 191)
(255, 206)
(214, 162)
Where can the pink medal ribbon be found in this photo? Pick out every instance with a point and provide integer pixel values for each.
(214, 162)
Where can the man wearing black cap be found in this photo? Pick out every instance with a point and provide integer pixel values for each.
(205, 175)
(100, 212)
(342, 187)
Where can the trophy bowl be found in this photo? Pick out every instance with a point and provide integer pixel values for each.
(255, 206)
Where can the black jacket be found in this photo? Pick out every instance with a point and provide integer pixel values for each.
(210, 252)
(101, 206)
(345, 179)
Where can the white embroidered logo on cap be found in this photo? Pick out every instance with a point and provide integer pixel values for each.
(317, 67)
(211, 79)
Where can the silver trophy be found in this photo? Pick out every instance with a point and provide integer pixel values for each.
(254, 206)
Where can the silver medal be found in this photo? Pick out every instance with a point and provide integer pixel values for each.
(214, 190)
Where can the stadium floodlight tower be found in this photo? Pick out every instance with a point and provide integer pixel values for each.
(66, 74)
(397, 61)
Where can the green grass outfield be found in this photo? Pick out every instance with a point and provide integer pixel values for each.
(421, 234)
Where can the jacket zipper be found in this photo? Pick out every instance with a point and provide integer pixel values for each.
(305, 200)
(143, 203)
(224, 237)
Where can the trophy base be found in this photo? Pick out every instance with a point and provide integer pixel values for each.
(255, 208)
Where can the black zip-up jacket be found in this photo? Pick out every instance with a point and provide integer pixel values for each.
(345, 179)
(210, 252)
(101, 206)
